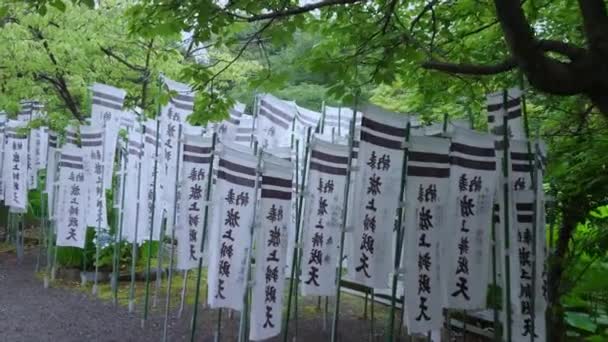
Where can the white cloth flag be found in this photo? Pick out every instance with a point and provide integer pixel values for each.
(173, 114)
(336, 121)
(195, 170)
(106, 111)
(323, 217)
(71, 213)
(32, 156)
(305, 118)
(230, 238)
(92, 149)
(521, 269)
(467, 246)
(274, 122)
(42, 148)
(15, 166)
(271, 249)
(227, 129)
(148, 207)
(2, 151)
(51, 170)
(244, 132)
(428, 173)
(131, 223)
(380, 163)
(497, 109)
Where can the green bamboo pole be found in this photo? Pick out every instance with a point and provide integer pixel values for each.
(202, 246)
(507, 246)
(334, 327)
(134, 244)
(170, 276)
(399, 241)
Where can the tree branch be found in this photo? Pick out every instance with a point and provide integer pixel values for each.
(595, 23)
(301, 9)
(472, 69)
(129, 65)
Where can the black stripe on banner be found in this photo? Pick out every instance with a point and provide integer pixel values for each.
(196, 159)
(382, 128)
(184, 106)
(521, 156)
(245, 138)
(235, 180)
(473, 164)
(327, 169)
(135, 152)
(328, 157)
(268, 180)
(234, 121)
(106, 104)
(91, 135)
(72, 158)
(514, 114)
(244, 130)
(275, 110)
(184, 98)
(370, 138)
(267, 114)
(524, 206)
(16, 136)
(52, 144)
(472, 150)
(236, 167)
(428, 157)
(496, 206)
(92, 143)
(355, 143)
(136, 144)
(499, 145)
(104, 96)
(434, 172)
(524, 218)
(71, 165)
(521, 168)
(283, 195)
(197, 149)
(354, 155)
(510, 104)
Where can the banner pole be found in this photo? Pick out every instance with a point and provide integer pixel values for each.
(152, 215)
(399, 241)
(506, 188)
(334, 326)
(202, 246)
(134, 244)
(183, 294)
(53, 206)
(244, 313)
(118, 222)
(97, 233)
(170, 276)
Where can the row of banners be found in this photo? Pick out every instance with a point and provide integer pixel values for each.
(172, 172)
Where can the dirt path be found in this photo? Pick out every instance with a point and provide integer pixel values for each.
(28, 312)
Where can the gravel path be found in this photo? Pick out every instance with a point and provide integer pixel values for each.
(28, 312)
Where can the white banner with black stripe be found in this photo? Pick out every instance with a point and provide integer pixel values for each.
(15, 166)
(91, 139)
(106, 111)
(245, 132)
(305, 118)
(230, 238)
(271, 248)
(71, 198)
(466, 253)
(507, 103)
(227, 129)
(336, 121)
(32, 156)
(51, 169)
(376, 192)
(274, 121)
(428, 172)
(323, 205)
(42, 147)
(150, 165)
(195, 169)
(132, 225)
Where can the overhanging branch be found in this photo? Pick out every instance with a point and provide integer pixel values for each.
(471, 69)
(301, 9)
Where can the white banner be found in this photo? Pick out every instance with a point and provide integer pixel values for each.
(2, 151)
(467, 248)
(150, 166)
(230, 238)
(106, 111)
(42, 148)
(380, 163)
(274, 121)
(32, 156)
(15, 166)
(131, 223)
(71, 213)
(92, 149)
(51, 170)
(195, 170)
(271, 249)
(244, 132)
(322, 217)
(427, 190)
(227, 129)
(500, 104)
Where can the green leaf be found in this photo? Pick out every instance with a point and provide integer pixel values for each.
(580, 320)
(58, 4)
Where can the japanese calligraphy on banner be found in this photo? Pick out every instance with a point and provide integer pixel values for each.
(106, 111)
(466, 251)
(2, 151)
(380, 162)
(230, 238)
(195, 170)
(92, 150)
(131, 223)
(271, 248)
(32, 156)
(71, 225)
(522, 261)
(323, 216)
(274, 121)
(15, 166)
(42, 148)
(428, 173)
(498, 108)
(149, 207)
(51, 169)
